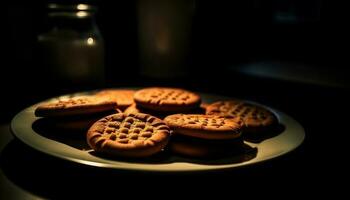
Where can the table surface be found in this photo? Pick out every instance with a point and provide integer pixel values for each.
(28, 174)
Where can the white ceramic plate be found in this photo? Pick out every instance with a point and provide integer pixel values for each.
(72, 149)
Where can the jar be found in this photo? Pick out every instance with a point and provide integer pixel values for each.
(72, 48)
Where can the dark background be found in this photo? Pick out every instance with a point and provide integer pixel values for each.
(292, 36)
(297, 45)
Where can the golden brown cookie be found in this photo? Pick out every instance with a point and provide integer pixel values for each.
(79, 105)
(133, 109)
(124, 98)
(161, 115)
(256, 118)
(167, 99)
(205, 126)
(204, 106)
(130, 135)
(136, 109)
(76, 124)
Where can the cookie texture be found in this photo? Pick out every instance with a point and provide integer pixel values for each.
(167, 99)
(78, 105)
(124, 98)
(129, 135)
(78, 124)
(255, 118)
(133, 109)
(205, 126)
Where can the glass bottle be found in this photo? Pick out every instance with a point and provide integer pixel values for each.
(72, 48)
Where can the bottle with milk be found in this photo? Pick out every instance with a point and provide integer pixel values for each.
(72, 48)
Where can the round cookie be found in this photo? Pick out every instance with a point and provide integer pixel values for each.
(124, 98)
(78, 105)
(205, 126)
(255, 118)
(167, 99)
(130, 135)
(77, 124)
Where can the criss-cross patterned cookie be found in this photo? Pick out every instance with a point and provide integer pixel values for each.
(255, 118)
(130, 135)
(205, 126)
(167, 99)
(78, 105)
(124, 98)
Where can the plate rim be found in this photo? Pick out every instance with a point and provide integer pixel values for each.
(112, 164)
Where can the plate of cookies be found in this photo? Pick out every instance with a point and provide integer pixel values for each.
(157, 129)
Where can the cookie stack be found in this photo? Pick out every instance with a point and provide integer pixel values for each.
(136, 129)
